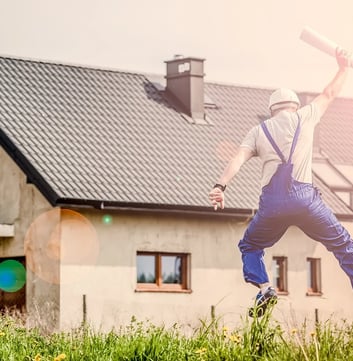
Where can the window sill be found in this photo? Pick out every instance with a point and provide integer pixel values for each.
(315, 294)
(162, 290)
(282, 293)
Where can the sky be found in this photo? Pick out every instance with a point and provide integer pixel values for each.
(248, 42)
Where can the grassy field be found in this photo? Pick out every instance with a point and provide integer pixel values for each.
(258, 339)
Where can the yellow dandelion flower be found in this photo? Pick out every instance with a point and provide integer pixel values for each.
(312, 333)
(2, 333)
(294, 331)
(235, 338)
(201, 351)
(225, 332)
(60, 357)
(37, 357)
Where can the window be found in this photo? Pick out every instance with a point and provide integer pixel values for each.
(338, 178)
(279, 274)
(314, 276)
(158, 271)
(347, 171)
(330, 175)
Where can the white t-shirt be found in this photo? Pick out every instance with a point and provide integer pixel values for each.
(282, 128)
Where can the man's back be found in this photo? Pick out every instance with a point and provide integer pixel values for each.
(282, 127)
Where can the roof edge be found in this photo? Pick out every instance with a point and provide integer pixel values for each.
(155, 208)
(30, 171)
(133, 207)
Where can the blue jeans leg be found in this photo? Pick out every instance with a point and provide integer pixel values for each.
(303, 208)
(321, 225)
(277, 211)
(262, 232)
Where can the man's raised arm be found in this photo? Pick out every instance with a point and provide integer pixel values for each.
(331, 91)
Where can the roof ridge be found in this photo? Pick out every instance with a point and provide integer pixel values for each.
(70, 65)
(143, 73)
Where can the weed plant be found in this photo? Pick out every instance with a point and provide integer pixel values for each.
(256, 339)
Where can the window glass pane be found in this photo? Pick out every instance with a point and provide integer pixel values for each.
(275, 273)
(309, 274)
(347, 171)
(345, 196)
(279, 273)
(171, 269)
(146, 269)
(314, 275)
(329, 175)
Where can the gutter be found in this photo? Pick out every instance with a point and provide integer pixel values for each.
(159, 209)
(241, 214)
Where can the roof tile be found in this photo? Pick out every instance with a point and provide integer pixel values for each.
(97, 135)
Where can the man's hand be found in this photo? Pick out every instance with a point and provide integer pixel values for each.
(343, 58)
(216, 196)
(334, 87)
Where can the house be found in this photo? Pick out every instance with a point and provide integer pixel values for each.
(104, 185)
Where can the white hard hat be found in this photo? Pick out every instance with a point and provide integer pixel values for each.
(283, 95)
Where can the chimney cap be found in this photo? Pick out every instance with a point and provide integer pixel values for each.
(179, 57)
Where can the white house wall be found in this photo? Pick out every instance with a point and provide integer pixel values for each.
(109, 285)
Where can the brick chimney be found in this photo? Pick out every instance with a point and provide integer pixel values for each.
(185, 82)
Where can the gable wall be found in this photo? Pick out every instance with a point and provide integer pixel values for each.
(20, 204)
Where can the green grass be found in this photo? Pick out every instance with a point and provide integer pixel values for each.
(258, 339)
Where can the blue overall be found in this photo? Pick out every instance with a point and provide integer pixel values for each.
(286, 202)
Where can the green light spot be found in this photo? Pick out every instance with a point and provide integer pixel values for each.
(107, 219)
(12, 276)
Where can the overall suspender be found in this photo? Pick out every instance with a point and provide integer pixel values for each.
(275, 146)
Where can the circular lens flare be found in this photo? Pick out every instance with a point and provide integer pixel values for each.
(57, 238)
(12, 276)
(107, 219)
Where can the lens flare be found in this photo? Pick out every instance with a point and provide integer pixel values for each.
(60, 237)
(12, 276)
(107, 219)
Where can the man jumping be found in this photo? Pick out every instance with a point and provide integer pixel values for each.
(284, 143)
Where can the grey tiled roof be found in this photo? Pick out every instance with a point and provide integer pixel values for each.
(336, 132)
(86, 136)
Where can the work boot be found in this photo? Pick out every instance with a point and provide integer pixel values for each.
(262, 301)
